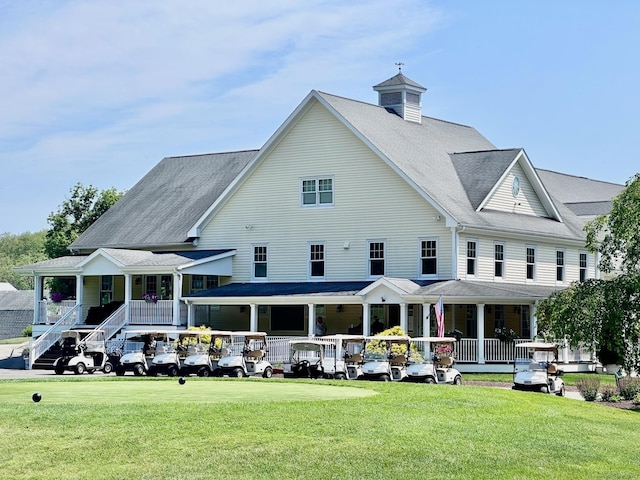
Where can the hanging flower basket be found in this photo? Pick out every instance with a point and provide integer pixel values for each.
(150, 298)
(57, 297)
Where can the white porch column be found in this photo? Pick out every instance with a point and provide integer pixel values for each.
(127, 298)
(480, 329)
(191, 308)
(253, 322)
(37, 296)
(404, 310)
(79, 289)
(534, 320)
(426, 319)
(366, 320)
(177, 293)
(312, 320)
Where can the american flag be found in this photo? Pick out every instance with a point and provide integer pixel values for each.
(439, 308)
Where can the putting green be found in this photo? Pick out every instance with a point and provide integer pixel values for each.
(171, 391)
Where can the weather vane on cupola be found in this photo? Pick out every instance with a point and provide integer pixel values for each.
(399, 65)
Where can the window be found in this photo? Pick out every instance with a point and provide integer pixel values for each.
(203, 282)
(260, 262)
(583, 266)
(317, 191)
(106, 289)
(498, 270)
(498, 316)
(376, 259)
(428, 257)
(316, 260)
(560, 265)
(161, 285)
(531, 263)
(472, 254)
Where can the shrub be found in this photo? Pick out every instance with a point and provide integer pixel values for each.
(27, 331)
(636, 399)
(588, 388)
(608, 394)
(629, 387)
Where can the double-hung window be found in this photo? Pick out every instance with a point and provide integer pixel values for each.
(259, 262)
(498, 264)
(531, 263)
(317, 191)
(428, 257)
(316, 260)
(472, 255)
(583, 266)
(560, 265)
(376, 259)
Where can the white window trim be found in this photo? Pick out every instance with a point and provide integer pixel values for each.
(466, 257)
(384, 257)
(535, 263)
(564, 267)
(428, 275)
(504, 261)
(586, 254)
(317, 180)
(253, 262)
(324, 260)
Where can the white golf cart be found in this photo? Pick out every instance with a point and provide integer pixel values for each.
(306, 359)
(168, 355)
(385, 358)
(348, 360)
(432, 361)
(138, 350)
(204, 350)
(535, 368)
(246, 358)
(83, 350)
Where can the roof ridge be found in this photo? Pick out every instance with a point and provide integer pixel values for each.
(577, 176)
(248, 150)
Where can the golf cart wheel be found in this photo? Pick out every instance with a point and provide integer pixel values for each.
(457, 380)
(203, 372)
(80, 368)
(59, 370)
(544, 389)
(340, 376)
(430, 380)
(138, 370)
(561, 392)
(385, 378)
(172, 371)
(108, 368)
(237, 372)
(268, 372)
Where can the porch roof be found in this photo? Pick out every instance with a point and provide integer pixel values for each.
(266, 289)
(487, 290)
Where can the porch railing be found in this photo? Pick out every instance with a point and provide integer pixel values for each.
(49, 312)
(41, 344)
(149, 313)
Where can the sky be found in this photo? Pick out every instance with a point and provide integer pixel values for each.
(98, 92)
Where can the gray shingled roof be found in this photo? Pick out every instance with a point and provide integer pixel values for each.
(472, 289)
(166, 203)
(397, 80)
(16, 300)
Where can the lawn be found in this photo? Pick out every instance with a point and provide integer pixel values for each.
(142, 428)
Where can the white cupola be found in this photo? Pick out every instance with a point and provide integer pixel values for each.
(402, 95)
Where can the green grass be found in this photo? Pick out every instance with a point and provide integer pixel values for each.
(13, 341)
(570, 379)
(123, 428)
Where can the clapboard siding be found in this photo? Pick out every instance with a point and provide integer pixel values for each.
(527, 201)
(371, 202)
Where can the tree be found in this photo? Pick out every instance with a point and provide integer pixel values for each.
(17, 250)
(75, 215)
(604, 315)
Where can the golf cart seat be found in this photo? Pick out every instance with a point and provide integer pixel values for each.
(257, 354)
(354, 358)
(398, 359)
(552, 369)
(446, 361)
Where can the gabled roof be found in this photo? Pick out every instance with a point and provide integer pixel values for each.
(398, 80)
(163, 206)
(259, 289)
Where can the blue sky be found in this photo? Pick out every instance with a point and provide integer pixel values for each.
(98, 92)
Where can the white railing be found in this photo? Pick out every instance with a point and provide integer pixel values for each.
(112, 324)
(149, 313)
(49, 312)
(51, 336)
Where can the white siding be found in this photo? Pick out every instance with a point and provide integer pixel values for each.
(370, 202)
(527, 201)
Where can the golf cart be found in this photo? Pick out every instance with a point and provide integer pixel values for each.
(204, 349)
(347, 361)
(138, 350)
(83, 350)
(306, 359)
(246, 359)
(433, 361)
(385, 358)
(537, 371)
(167, 355)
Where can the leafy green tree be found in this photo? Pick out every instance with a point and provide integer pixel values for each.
(18, 250)
(600, 314)
(75, 215)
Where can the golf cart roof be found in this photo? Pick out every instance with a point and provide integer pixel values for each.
(136, 333)
(344, 336)
(389, 338)
(250, 335)
(307, 345)
(434, 339)
(542, 346)
(198, 333)
(78, 331)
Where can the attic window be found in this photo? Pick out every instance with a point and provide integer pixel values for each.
(413, 98)
(392, 98)
(317, 191)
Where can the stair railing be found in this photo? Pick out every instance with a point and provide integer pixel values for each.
(111, 325)
(44, 342)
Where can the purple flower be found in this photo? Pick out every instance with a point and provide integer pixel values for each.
(57, 297)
